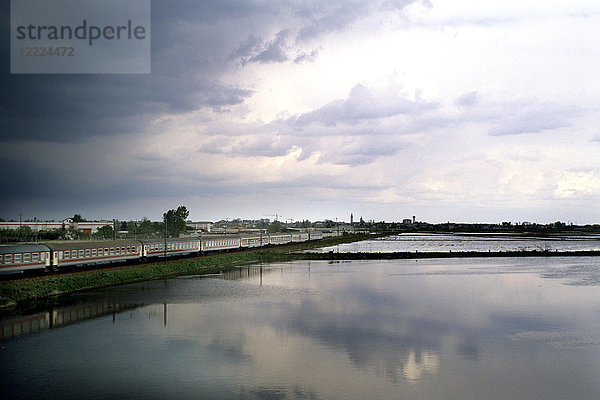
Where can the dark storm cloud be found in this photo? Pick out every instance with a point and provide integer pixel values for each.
(70, 107)
(275, 51)
(22, 182)
(206, 10)
(192, 45)
(306, 20)
(256, 50)
(34, 186)
(251, 45)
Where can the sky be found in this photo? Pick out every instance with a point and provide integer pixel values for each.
(456, 110)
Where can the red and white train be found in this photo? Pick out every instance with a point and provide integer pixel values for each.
(53, 255)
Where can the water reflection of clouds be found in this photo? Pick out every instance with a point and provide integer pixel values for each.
(378, 319)
(277, 392)
(389, 329)
(414, 368)
(387, 345)
(382, 345)
(382, 331)
(478, 312)
(244, 332)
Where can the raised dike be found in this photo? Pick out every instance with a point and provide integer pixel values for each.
(22, 290)
(406, 255)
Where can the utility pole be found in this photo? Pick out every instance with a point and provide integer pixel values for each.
(338, 234)
(274, 215)
(165, 249)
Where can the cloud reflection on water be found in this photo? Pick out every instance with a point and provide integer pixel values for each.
(363, 329)
(395, 334)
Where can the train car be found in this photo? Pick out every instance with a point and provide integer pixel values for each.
(53, 255)
(279, 238)
(23, 257)
(299, 236)
(315, 235)
(174, 246)
(253, 240)
(71, 253)
(220, 242)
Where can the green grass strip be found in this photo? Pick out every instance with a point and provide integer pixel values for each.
(18, 291)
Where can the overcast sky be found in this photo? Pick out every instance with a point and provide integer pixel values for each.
(455, 110)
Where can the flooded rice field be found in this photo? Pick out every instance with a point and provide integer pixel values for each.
(411, 242)
(428, 329)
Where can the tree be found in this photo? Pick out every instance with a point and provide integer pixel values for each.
(158, 228)
(105, 232)
(132, 228)
(175, 220)
(49, 235)
(274, 227)
(78, 218)
(25, 233)
(146, 229)
(303, 224)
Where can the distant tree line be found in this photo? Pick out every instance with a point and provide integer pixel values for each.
(26, 234)
(173, 220)
(131, 229)
(174, 224)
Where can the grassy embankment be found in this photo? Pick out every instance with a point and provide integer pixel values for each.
(14, 292)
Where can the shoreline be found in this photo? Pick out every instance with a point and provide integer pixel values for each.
(16, 292)
(412, 255)
(21, 290)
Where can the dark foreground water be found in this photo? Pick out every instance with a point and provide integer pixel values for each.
(432, 329)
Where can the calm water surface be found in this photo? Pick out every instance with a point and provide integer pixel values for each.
(432, 329)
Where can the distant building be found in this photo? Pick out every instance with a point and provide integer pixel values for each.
(205, 226)
(36, 226)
